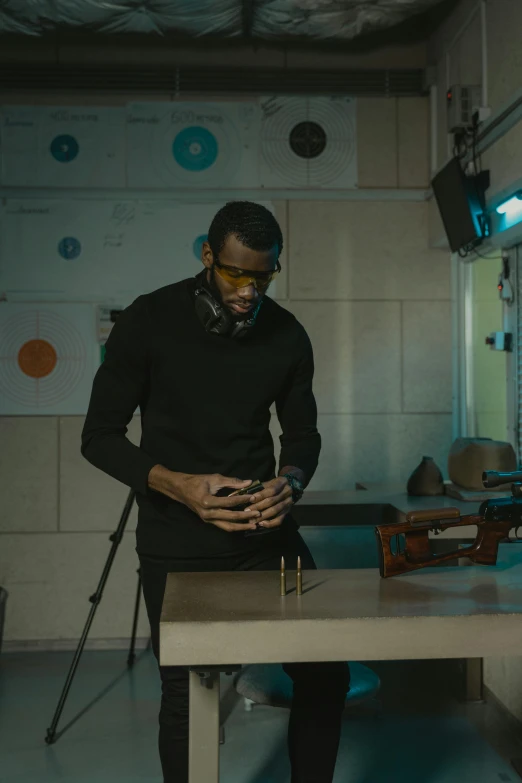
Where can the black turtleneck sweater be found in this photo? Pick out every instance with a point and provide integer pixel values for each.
(205, 408)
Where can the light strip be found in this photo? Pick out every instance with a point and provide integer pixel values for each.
(512, 206)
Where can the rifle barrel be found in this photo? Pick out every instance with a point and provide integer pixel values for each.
(492, 478)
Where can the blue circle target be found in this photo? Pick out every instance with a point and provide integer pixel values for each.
(195, 148)
(64, 148)
(197, 245)
(69, 248)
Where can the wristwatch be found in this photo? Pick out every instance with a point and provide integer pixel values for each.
(296, 487)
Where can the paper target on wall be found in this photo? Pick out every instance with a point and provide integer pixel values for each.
(99, 251)
(192, 145)
(62, 146)
(308, 143)
(73, 250)
(46, 359)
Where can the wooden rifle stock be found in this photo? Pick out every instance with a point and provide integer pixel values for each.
(405, 546)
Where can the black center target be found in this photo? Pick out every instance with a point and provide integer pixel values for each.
(308, 140)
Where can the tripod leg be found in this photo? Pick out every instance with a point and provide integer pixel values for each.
(50, 737)
(95, 599)
(132, 654)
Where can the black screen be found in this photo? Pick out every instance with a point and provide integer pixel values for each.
(459, 205)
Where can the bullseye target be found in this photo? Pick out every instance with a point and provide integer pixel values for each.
(62, 146)
(197, 245)
(196, 145)
(308, 142)
(186, 144)
(69, 248)
(45, 362)
(195, 149)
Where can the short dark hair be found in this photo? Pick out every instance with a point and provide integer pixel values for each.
(253, 224)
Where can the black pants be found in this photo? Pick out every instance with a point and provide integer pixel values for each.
(319, 688)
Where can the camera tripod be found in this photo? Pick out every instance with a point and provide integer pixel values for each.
(51, 736)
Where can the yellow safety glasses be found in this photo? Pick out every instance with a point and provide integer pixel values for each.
(240, 278)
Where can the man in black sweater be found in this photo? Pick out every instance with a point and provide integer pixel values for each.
(204, 360)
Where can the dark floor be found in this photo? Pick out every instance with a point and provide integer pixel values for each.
(424, 735)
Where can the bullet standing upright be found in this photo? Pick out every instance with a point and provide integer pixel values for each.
(299, 578)
(283, 577)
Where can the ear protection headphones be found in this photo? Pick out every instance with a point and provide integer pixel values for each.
(217, 319)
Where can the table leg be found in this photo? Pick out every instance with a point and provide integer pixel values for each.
(204, 728)
(472, 666)
(473, 679)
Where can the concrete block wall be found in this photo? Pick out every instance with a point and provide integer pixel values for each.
(376, 303)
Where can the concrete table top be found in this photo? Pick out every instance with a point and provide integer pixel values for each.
(239, 617)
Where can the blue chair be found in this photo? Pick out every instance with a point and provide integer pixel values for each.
(270, 685)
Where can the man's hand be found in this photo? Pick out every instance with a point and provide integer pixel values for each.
(199, 494)
(273, 502)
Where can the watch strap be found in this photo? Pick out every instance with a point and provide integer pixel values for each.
(295, 485)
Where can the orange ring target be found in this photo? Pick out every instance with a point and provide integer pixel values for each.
(42, 358)
(37, 358)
